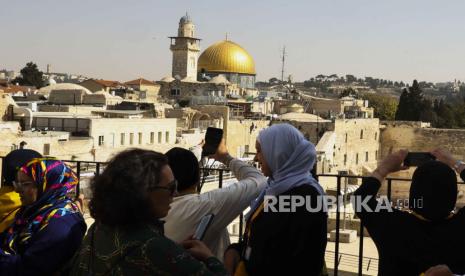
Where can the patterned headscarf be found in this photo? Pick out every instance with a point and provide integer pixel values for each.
(54, 181)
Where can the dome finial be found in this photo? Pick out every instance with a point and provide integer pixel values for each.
(226, 36)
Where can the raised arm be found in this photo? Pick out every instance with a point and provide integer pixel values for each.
(447, 158)
(230, 202)
(370, 186)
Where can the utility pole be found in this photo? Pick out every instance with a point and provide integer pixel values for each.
(283, 62)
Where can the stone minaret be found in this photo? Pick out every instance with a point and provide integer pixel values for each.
(185, 48)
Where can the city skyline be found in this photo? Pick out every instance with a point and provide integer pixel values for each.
(122, 40)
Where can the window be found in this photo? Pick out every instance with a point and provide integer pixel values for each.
(345, 159)
(356, 159)
(46, 149)
(376, 155)
(101, 140)
(131, 138)
(376, 136)
(361, 134)
(159, 137)
(175, 92)
(346, 137)
(152, 137)
(122, 138)
(140, 138)
(366, 156)
(193, 62)
(167, 137)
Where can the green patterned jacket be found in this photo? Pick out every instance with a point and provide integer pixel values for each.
(142, 250)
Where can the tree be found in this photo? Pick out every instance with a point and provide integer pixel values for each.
(411, 103)
(351, 78)
(402, 112)
(274, 81)
(349, 92)
(445, 115)
(31, 76)
(385, 106)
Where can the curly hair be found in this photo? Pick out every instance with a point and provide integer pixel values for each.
(120, 194)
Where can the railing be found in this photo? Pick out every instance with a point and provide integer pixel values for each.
(87, 169)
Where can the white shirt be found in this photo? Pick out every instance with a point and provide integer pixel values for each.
(226, 204)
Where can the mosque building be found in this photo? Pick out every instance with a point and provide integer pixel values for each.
(224, 69)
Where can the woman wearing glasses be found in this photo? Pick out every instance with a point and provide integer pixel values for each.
(47, 230)
(129, 198)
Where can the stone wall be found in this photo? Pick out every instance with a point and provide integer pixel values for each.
(5, 101)
(242, 134)
(418, 137)
(75, 109)
(357, 144)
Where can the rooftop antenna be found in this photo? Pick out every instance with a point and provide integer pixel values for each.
(283, 57)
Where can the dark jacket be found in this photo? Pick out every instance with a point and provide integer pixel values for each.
(288, 243)
(137, 250)
(409, 245)
(49, 250)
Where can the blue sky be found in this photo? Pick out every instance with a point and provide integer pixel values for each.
(123, 39)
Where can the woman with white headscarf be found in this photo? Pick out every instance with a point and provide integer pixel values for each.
(283, 240)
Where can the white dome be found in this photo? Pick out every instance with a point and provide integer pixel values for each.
(220, 79)
(167, 79)
(62, 86)
(51, 81)
(301, 117)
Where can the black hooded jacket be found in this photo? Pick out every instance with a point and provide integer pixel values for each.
(408, 244)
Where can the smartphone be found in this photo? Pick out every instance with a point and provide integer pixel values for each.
(212, 141)
(415, 159)
(203, 227)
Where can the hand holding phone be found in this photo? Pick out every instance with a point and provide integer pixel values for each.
(203, 227)
(212, 141)
(416, 159)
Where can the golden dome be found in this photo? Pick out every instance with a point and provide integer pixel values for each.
(226, 57)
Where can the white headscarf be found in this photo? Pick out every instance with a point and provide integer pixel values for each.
(290, 158)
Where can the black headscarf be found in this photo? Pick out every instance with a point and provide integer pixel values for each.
(185, 167)
(433, 192)
(13, 161)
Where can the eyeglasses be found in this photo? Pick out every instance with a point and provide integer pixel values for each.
(21, 185)
(172, 187)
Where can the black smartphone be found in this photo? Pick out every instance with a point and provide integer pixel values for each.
(203, 227)
(212, 140)
(415, 159)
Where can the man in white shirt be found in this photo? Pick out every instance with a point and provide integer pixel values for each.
(226, 203)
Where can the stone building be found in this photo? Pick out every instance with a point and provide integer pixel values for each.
(185, 48)
(223, 70)
(150, 90)
(65, 88)
(95, 85)
(348, 145)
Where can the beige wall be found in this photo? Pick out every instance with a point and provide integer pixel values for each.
(355, 144)
(111, 130)
(322, 107)
(75, 109)
(240, 139)
(310, 130)
(5, 101)
(416, 136)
